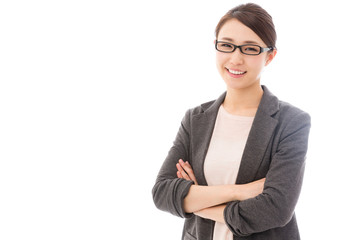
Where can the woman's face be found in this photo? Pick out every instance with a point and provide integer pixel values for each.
(238, 70)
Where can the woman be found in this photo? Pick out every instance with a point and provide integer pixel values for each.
(236, 167)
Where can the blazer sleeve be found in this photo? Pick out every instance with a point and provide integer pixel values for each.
(169, 191)
(275, 206)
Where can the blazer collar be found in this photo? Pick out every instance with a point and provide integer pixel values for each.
(259, 136)
(269, 103)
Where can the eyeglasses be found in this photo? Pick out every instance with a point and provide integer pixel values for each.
(248, 49)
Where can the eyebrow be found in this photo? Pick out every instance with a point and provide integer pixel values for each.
(232, 40)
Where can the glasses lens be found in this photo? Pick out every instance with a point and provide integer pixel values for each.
(224, 47)
(251, 49)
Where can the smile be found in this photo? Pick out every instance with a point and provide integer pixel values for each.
(235, 72)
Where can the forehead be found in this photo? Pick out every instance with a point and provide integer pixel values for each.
(235, 31)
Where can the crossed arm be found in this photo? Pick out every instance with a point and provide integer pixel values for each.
(210, 201)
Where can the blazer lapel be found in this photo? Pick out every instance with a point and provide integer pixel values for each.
(259, 137)
(202, 129)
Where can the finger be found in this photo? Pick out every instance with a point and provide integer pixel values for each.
(183, 173)
(189, 171)
(187, 167)
(179, 168)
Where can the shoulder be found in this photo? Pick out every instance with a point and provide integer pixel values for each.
(290, 113)
(197, 111)
(209, 108)
(292, 121)
(201, 108)
(289, 118)
(280, 110)
(289, 110)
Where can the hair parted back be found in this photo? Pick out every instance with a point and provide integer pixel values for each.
(254, 17)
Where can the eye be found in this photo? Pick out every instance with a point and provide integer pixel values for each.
(225, 45)
(251, 49)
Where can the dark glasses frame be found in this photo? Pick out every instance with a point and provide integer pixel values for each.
(261, 49)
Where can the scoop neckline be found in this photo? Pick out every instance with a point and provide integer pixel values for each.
(239, 117)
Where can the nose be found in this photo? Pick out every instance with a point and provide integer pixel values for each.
(237, 57)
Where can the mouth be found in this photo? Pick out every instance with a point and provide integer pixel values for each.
(236, 72)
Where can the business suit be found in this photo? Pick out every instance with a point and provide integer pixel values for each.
(276, 149)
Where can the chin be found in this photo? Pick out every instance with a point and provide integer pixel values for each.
(241, 84)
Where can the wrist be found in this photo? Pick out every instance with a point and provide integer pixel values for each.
(240, 192)
(236, 192)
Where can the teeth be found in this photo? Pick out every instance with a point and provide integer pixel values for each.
(235, 72)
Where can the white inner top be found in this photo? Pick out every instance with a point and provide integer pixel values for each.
(224, 155)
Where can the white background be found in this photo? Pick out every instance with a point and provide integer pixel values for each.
(92, 94)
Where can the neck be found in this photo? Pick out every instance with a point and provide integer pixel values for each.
(243, 101)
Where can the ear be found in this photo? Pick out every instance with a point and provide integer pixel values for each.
(270, 57)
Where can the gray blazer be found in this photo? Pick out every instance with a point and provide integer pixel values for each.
(276, 149)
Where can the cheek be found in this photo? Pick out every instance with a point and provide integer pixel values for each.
(257, 63)
(220, 58)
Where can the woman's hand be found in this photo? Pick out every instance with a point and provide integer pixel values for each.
(185, 171)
